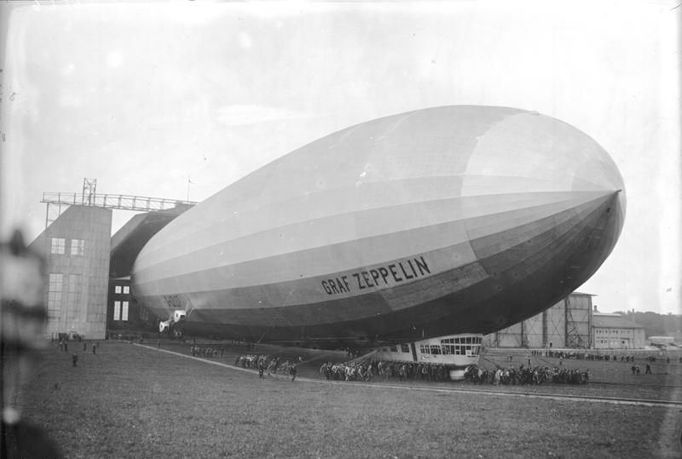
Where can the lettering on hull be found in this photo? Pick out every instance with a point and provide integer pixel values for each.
(381, 276)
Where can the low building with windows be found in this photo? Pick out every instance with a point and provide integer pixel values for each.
(614, 331)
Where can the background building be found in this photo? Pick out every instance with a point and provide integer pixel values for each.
(613, 331)
(566, 324)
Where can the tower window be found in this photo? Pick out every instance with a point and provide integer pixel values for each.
(58, 245)
(77, 246)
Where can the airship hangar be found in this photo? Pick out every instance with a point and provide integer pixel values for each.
(444, 220)
(88, 280)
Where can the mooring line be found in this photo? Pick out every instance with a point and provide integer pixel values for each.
(558, 397)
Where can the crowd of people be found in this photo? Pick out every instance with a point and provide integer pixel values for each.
(368, 369)
(207, 351)
(578, 355)
(525, 375)
(267, 364)
(595, 356)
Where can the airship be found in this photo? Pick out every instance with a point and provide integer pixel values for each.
(435, 222)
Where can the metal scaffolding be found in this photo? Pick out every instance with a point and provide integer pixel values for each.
(578, 323)
(57, 202)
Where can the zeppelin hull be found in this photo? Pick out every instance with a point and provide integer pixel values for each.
(440, 221)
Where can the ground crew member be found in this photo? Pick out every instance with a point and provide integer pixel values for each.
(74, 359)
(292, 372)
(648, 369)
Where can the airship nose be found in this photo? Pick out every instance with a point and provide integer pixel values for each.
(551, 186)
(541, 160)
(529, 153)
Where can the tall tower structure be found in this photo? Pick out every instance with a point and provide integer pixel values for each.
(76, 246)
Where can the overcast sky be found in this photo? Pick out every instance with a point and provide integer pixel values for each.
(143, 96)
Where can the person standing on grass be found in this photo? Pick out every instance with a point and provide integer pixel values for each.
(74, 359)
(94, 348)
(648, 369)
(292, 372)
(402, 372)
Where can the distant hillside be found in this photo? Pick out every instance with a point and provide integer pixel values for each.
(657, 324)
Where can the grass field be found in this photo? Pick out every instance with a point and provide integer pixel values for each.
(132, 401)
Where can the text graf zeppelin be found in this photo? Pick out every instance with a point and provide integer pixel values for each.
(381, 276)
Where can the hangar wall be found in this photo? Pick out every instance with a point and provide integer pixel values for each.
(77, 246)
(567, 324)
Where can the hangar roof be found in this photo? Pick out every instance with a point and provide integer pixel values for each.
(612, 321)
(129, 240)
